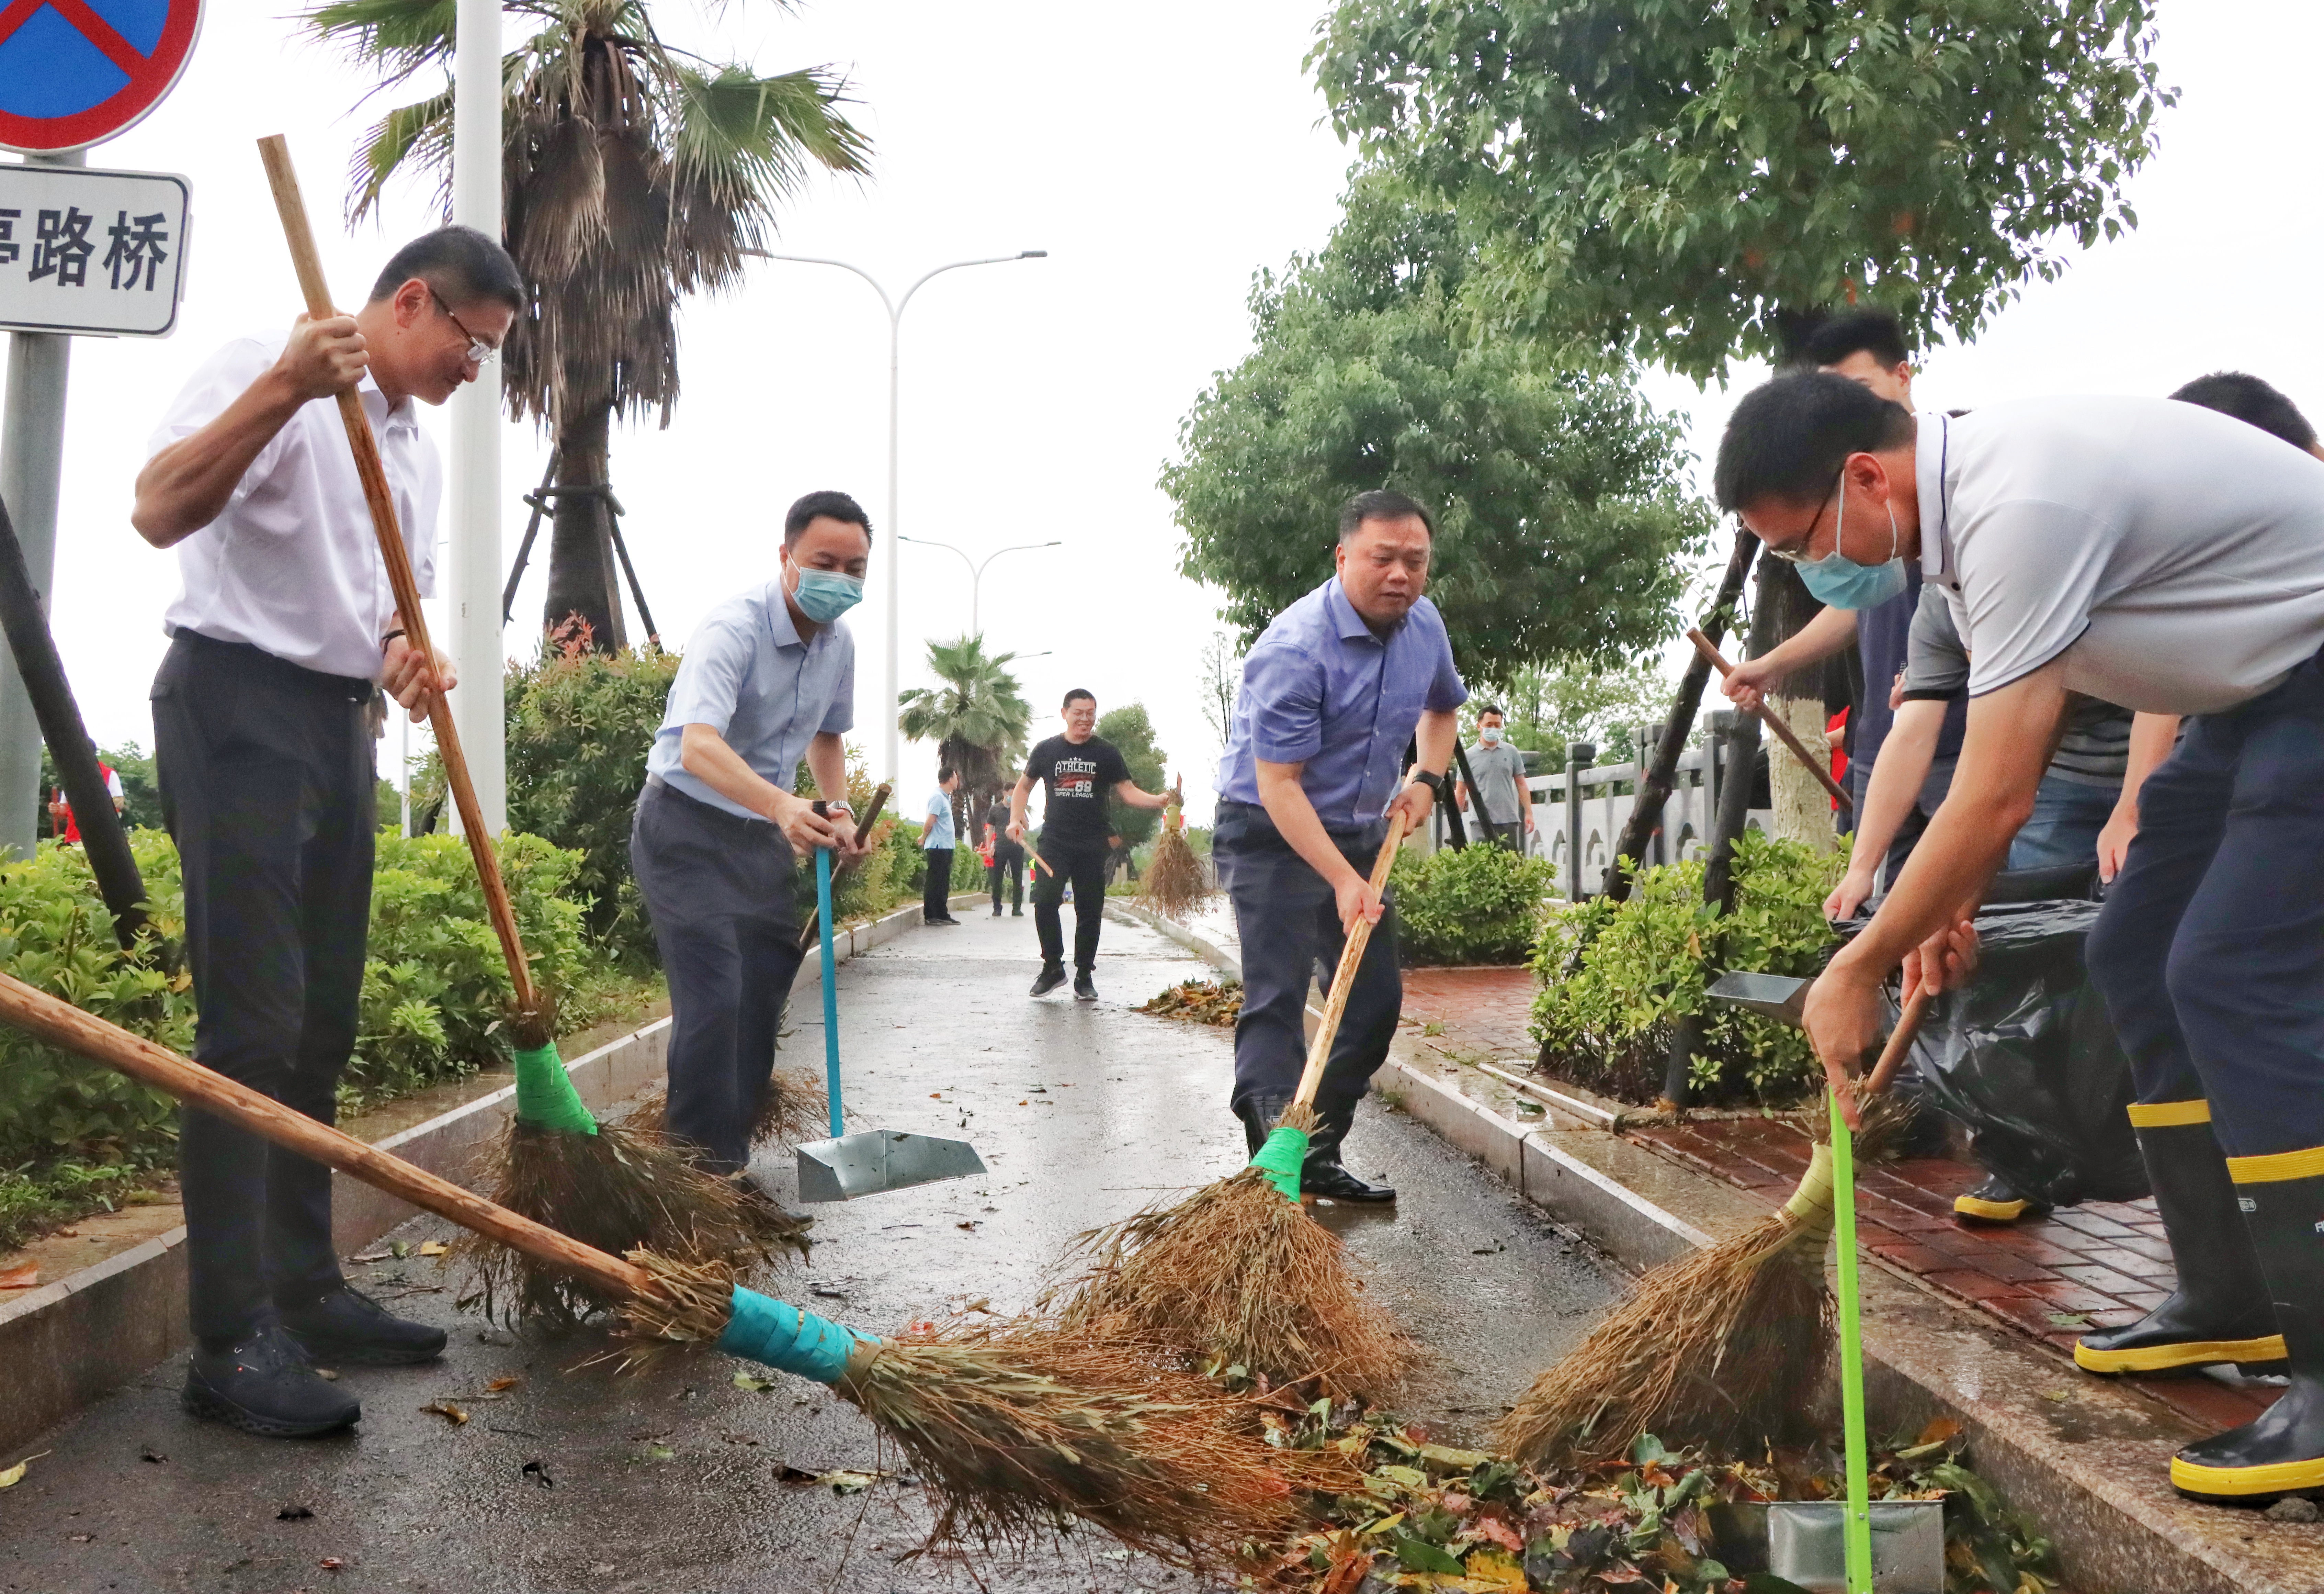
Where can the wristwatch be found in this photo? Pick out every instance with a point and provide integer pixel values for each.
(1434, 783)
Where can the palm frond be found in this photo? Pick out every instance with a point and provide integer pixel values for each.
(402, 36)
(421, 132)
(740, 144)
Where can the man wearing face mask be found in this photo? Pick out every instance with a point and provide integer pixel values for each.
(1504, 801)
(2169, 559)
(767, 679)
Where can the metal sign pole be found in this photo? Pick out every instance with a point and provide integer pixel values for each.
(32, 468)
(473, 595)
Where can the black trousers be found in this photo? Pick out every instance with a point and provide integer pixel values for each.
(1008, 867)
(266, 776)
(935, 892)
(719, 888)
(1084, 867)
(1288, 923)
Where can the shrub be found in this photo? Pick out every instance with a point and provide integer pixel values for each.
(894, 869)
(1473, 904)
(1614, 978)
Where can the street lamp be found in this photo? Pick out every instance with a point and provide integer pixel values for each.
(890, 743)
(976, 568)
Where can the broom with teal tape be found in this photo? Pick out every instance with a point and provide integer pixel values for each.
(560, 1166)
(1012, 1431)
(1237, 1275)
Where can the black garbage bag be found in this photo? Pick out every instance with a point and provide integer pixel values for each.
(2026, 1056)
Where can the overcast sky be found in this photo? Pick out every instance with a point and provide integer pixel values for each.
(1160, 157)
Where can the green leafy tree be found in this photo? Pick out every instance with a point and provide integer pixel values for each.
(1563, 525)
(1546, 706)
(977, 718)
(1696, 180)
(635, 173)
(1132, 731)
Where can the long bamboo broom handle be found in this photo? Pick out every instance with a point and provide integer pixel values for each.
(284, 180)
(63, 1026)
(1335, 1006)
(1784, 733)
(1900, 1039)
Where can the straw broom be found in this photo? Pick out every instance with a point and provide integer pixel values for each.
(1173, 886)
(603, 1184)
(1012, 1431)
(1724, 1347)
(1237, 1275)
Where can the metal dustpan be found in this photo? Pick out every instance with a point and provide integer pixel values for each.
(1779, 997)
(869, 1160)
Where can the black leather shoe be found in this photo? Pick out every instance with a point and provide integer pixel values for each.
(265, 1385)
(348, 1329)
(1053, 975)
(2220, 1313)
(1323, 1176)
(1258, 1114)
(996, 910)
(946, 922)
(1084, 987)
(1016, 912)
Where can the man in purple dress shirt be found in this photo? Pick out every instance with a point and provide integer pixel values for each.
(1332, 695)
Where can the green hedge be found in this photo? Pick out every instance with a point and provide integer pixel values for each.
(1473, 904)
(1614, 978)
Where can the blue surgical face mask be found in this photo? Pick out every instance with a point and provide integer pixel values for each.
(1843, 583)
(823, 596)
(1491, 735)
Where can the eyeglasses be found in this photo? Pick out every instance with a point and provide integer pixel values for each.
(1795, 550)
(479, 351)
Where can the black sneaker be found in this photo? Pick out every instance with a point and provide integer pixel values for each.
(348, 1329)
(265, 1385)
(1084, 987)
(1053, 975)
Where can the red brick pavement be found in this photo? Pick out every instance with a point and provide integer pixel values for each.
(2099, 1264)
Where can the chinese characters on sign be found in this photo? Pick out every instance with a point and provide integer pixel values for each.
(91, 251)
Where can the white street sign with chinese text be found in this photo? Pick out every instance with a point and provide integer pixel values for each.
(90, 251)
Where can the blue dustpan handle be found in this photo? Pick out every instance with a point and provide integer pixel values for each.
(830, 987)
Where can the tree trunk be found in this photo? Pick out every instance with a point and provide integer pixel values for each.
(1802, 808)
(583, 579)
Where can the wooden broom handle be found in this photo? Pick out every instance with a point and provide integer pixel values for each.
(63, 1026)
(1784, 734)
(284, 180)
(1336, 1006)
(1900, 1041)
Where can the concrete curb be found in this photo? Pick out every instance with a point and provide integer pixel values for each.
(67, 1343)
(2087, 1458)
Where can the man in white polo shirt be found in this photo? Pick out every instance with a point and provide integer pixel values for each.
(2169, 559)
(284, 623)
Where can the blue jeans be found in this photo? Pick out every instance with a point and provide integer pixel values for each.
(2065, 824)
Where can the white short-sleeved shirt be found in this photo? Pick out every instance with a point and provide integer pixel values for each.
(747, 675)
(291, 566)
(2174, 556)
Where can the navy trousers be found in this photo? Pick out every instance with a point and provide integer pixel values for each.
(719, 888)
(2211, 949)
(1288, 923)
(1083, 868)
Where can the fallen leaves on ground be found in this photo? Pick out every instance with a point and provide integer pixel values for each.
(22, 1277)
(448, 1411)
(433, 1248)
(505, 1381)
(1199, 1001)
(10, 1476)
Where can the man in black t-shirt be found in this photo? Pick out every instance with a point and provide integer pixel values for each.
(1081, 770)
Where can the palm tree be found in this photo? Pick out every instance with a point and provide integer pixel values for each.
(976, 719)
(633, 172)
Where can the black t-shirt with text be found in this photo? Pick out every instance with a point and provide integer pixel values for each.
(1080, 777)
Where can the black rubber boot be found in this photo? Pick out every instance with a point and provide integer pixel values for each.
(1323, 1176)
(1258, 1114)
(265, 1385)
(2282, 1451)
(347, 1329)
(1053, 975)
(1084, 987)
(2219, 1312)
(1996, 1201)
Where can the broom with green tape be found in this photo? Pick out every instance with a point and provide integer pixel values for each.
(1238, 1275)
(604, 1185)
(1012, 1431)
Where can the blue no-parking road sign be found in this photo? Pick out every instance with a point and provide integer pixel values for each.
(76, 72)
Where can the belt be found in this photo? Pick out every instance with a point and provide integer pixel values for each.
(654, 782)
(354, 687)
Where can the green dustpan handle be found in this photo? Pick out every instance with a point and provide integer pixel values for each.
(830, 987)
(1859, 1534)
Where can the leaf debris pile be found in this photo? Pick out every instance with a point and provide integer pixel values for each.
(1199, 1001)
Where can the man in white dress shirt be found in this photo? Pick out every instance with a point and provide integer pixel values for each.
(284, 626)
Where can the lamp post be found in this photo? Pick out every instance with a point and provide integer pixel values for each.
(976, 569)
(891, 744)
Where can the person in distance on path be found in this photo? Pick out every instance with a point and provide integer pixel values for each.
(2169, 559)
(1504, 801)
(283, 628)
(768, 679)
(1080, 769)
(1005, 864)
(936, 847)
(1332, 693)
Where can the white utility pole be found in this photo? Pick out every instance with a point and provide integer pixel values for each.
(472, 599)
(976, 569)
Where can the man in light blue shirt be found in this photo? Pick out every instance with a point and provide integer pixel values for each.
(768, 679)
(1332, 695)
(937, 843)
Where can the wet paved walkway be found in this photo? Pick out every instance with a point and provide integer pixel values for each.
(675, 1481)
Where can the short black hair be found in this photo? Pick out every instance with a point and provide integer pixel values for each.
(2248, 398)
(1490, 708)
(834, 506)
(1875, 332)
(1789, 437)
(944, 772)
(460, 264)
(1079, 692)
(1382, 504)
